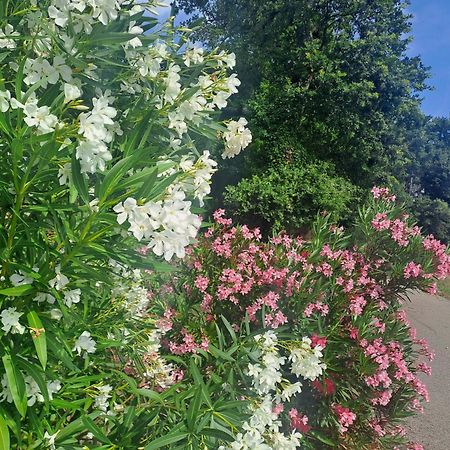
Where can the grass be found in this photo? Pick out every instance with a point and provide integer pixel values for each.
(444, 288)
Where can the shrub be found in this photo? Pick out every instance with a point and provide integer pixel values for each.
(336, 358)
(99, 108)
(288, 197)
(433, 216)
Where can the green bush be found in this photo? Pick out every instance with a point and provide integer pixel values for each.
(433, 216)
(288, 197)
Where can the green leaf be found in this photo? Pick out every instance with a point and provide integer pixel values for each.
(229, 328)
(168, 439)
(4, 434)
(194, 409)
(17, 291)
(58, 350)
(35, 373)
(149, 394)
(323, 439)
(113, 176)
(162, 186)
(219, 353)
(74, 427)
(95, 430)
(219, 434)
(148, 184)
(79, 181)
(196, 375)
(39, 337)
(16, 384)
(129, 417)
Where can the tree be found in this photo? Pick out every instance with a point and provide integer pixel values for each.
(325, 80)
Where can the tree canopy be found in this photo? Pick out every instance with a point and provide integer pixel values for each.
(328, 81)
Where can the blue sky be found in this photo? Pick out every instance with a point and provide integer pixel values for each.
(431, 32)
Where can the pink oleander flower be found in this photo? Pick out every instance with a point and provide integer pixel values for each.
(317, 340)
(345, 417)
(316, 307)
(415, 446)
(357, 305)
(278, 409)
(382, 193)
(201, 283)
(412, 270)
(381, 222)
(432, 289)
(218, 217)
(299, 421)
(177, 375)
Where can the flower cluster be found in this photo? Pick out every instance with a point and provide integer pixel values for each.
(100, 117)
(361, 356)
(264, 429)
(168, 225)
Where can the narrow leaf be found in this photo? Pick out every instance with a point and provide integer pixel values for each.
(39, 337)
(17, 291)
(4, 434)
(16, 384)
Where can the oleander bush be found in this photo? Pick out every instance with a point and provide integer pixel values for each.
(243, 344)
(101, 111)
(338, 363)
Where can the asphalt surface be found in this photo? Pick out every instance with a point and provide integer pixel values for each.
(431, 316)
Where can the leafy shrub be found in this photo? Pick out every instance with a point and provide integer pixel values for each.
(288, 197)
(336, 359)
(433, 216)
(99, 108)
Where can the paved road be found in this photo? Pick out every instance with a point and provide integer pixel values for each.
(431, 316)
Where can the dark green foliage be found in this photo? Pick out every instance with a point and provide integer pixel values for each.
(325, 80)
(434, 216)
(287, 197)
(429, 182)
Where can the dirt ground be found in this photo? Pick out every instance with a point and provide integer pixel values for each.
(431, 316)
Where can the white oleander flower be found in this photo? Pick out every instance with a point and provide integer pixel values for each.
(10, 320)
(40, 117)
(220, 99)
(42, 297)
(5, 98)
(34, 393)
(6, 34)
(72, 297)
(125, 210)
(149, 65)
(21, 278)
(60, 280)
(53, 386)
(101, 401)
(173, 88)
(85, 343)
(93, 155)
(71, 92)
(232, 83)
(50, 440)
(228, 58)
(105, 10)
(6, 393)
(176, 122)
(236, 138)
(65, 174)
(194, 56)
(306, 361)
(56, 314)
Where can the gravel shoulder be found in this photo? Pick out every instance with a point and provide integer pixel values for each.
(431, 316)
